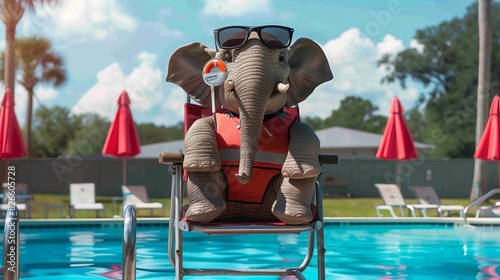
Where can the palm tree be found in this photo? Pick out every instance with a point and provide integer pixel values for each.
(483, 86)
(11, 11)
(37, 63)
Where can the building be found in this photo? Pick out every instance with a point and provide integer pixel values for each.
(350, 143)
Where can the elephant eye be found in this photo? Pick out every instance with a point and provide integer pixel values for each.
(227, 58)
(282, 58)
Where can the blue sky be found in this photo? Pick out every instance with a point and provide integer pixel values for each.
(113, 45)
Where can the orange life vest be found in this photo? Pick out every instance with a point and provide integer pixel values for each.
(271, 153)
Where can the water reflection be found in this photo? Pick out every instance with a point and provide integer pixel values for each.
(82, 249)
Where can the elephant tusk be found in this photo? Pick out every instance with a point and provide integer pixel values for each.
(281, 87)
(228, 85)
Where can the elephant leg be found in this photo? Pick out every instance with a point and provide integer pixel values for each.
(265, 210)
(205, 192)
(293, 203)
(202, 154)
(302, 160)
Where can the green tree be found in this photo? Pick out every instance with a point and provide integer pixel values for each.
(37, 64)
(357, 113)
(53, 129)
(416, 121)
(316, 123)
(447, 67)
(11, 11)
(150, 133)
(90, 136)
(354, 112)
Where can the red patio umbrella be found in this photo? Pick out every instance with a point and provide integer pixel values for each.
(11, 140)
(396, 143)
(489, 146)
(122, 140)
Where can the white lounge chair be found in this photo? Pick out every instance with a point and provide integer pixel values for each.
(489, 211)
(20, 198)
(82, 198)
(428, 196)
(137, 196)
(392, 197)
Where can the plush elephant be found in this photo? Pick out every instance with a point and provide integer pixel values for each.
(261, 81)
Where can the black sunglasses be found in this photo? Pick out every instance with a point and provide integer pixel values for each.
(272, 36)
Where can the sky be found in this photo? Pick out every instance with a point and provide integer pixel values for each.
(114, 45)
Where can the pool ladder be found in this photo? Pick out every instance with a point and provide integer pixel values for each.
(11, 245)
(129, 243)
(479, 201)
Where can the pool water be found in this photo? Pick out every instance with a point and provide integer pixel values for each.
(353, 252)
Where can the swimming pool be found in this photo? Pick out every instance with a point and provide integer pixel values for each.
(355, 250)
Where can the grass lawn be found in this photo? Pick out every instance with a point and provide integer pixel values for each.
(333, 207)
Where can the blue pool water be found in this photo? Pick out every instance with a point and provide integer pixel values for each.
(353, 252)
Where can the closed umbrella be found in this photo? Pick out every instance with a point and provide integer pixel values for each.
(122, 140)
(397, 143)
(489, 146)
(11, 139)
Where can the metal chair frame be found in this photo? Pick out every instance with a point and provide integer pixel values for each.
(178, 225)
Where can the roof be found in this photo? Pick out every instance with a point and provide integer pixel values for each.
(338, 137)
(331, 138)
(154, 150)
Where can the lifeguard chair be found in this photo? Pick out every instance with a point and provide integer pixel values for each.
(178, 225)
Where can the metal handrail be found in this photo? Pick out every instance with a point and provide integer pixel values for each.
(479, 201)
(129, 243)
(11, 244)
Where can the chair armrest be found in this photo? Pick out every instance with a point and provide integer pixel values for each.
(179, 158)
(171, 157)
(328, 159)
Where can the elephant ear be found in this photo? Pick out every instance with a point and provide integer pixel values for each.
(184, 69)
(308, 69)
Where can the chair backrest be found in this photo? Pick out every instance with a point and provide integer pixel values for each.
(390, 193)
(137, 194)
(426, 195)
(82, 193)
(20, 189)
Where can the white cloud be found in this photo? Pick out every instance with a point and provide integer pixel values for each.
(46, 94)
(166, 11)
(173, 108)
(92, 18)
(161, 29)
(42, 95)
(416, 45)
(353, 60)
(143, 84)
(21, 104)
(389, 45)
(236, 8)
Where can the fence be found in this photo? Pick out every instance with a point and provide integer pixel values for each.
(452, 178)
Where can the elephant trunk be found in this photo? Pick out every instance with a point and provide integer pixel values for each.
(253, 93)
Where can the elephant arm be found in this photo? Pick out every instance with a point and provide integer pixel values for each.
(202, 154)
(302, 160)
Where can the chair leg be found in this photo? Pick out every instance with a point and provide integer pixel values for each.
(320, 243)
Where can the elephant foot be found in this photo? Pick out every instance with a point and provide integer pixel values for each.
(206, 196)
(297, 169)
(293, 202)
(201, 163)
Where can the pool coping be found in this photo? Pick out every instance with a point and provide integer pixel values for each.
(331, 221)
